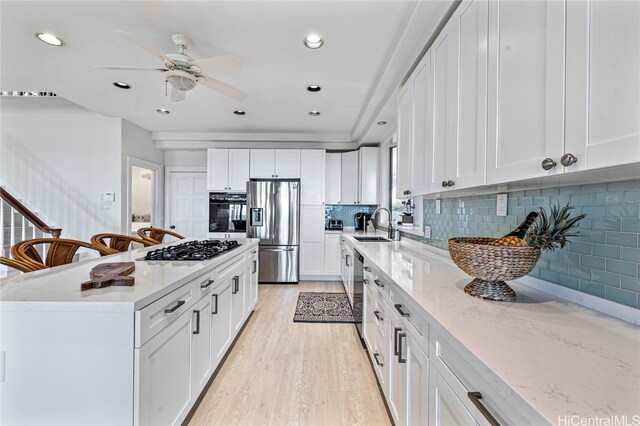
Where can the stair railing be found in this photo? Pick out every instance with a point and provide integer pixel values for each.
(27, 215)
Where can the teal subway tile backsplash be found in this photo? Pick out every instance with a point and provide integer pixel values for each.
(346, 213)
(603, 261)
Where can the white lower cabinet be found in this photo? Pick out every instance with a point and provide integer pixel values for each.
(397, 396)
(417, 381)
(254, 272)
(221, 320)
(163, 382)
(446, 408)
(238, 289)
(332, 254)
(201, 345)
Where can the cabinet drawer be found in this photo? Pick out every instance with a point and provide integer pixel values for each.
(411, 317)
(377, 280)
(464, 374)
(228, 268)
(379, 355)
(158, 315)
(380, 316)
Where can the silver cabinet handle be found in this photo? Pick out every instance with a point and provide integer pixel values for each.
(175, 308)
(475, 397)
(548, 163)
(401, 336)
(206, 283)
(375, 356)
(379, 283)
(215, 310)
(236, 285)
(401, 310)
(377, 315)
(568, 159)
(255, 267)
(365, 281)
(366, 268)
(347, 260)
(197, 330)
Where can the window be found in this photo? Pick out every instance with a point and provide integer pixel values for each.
(396, 204)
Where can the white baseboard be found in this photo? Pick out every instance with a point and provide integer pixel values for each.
(320, 278)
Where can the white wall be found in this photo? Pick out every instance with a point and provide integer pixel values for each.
(185, 158)
(137, 144)
(61, 158)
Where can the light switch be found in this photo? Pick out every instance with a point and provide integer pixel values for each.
(438, 203)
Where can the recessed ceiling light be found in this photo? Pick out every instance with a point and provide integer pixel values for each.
(314, 113)
(239, 112)
(163, 111)
(50, 39)
(314, 88)
(381, 123)
(121, 85)
(313, 41)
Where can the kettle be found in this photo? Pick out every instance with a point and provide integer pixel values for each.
(360, 220)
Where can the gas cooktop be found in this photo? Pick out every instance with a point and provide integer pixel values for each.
(192, 250)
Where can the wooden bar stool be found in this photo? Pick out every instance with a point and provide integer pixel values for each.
(117, 243)
(19, 265)
(156, 235)
(60, 251)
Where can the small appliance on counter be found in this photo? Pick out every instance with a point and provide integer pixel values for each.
(360, 220)
(334, 225)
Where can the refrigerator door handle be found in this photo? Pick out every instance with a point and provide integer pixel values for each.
(275, 249)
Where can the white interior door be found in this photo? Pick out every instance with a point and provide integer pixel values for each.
(189, 201)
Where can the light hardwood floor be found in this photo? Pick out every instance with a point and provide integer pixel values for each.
(286, 373)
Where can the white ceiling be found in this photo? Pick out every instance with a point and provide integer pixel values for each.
(366, 53)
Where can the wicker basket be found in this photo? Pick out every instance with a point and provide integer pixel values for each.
(492, 266)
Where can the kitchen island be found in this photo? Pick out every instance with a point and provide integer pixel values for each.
(120, 355)
(443, 357)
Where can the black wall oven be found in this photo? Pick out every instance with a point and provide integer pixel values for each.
(228, 212)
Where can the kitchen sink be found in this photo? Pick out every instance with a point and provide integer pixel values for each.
(365, 239)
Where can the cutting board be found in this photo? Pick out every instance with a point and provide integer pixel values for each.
(108, 274)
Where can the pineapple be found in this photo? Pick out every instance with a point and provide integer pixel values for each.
(510, 241)
(550, 232)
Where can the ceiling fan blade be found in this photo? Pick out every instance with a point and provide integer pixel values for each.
(126, 68)
(221, 87)
(177, 95)
(219, 64)
(145, 46)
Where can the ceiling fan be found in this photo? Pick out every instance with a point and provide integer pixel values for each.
(183, 72)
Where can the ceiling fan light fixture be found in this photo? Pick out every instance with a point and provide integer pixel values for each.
(239, 112)
(163, 111)
(314, 88)
(49, 39)
(313, 41)
(122, 85)
(181, 80)
(314, 113)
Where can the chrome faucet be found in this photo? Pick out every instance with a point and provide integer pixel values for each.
(392, 232)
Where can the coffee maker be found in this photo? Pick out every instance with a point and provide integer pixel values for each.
(360, 220)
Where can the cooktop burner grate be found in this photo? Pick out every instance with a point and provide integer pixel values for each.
(192, 250)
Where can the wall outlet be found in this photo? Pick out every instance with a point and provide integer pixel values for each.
(501, 206)
(438, 206)
(427, 231)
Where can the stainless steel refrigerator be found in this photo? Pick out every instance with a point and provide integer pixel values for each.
(273, 207)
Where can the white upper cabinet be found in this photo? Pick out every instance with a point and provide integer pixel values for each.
(525, 89)
(312, 176)
(227, 169)
(263, 163)
(275, 163)
(238, 169)
(333, 178)
(467, 160)
(405, 141)
(287, 163)
(603, 83)
(349, 179)
(422, 119)
(369, 159)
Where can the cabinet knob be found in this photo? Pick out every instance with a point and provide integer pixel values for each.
(444, 183)
(548, 163)
(450, 183)
(568, 159)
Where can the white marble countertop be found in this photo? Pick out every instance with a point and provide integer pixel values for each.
(561, 358)
(59, 288)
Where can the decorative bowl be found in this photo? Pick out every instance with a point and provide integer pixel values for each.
(492, 266)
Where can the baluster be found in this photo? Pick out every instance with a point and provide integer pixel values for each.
(3, 226)
(13, 227)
